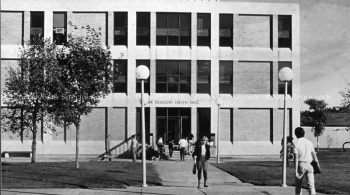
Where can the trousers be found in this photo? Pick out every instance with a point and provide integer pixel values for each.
(202, 164)
(182, 153)
(305, 169)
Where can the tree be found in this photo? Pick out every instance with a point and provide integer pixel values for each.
(346, 104)
(85, 77)
(316, 117)
(27, 89)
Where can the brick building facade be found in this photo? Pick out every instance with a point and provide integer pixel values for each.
(197, 51)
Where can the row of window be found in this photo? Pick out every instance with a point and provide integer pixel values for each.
(172, 29)
(174, 76)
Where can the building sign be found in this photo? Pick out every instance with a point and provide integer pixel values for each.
(177, 102)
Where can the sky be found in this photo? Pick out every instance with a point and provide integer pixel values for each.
(325, 48)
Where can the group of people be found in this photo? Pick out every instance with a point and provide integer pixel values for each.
(303, 150)
(186, 147)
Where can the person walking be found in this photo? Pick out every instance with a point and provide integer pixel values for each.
(171, 147)
(160, 145)
(304, 154)
(134, 147)
(201, 155)
(183, 145)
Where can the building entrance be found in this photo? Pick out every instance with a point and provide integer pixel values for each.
(173, 123)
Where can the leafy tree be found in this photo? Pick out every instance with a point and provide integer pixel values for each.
(85, 77)
(346, 103)
(316, 117)
(27, 90)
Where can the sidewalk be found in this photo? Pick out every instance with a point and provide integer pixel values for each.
(177, 178)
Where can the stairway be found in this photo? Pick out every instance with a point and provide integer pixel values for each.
(175, 156)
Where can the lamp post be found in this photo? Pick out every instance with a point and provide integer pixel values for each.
(218, 102)
(142, 73)
(285, 75)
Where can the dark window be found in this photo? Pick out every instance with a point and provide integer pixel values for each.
(281, 84)
(147, 82)
(121, 28)
(143, 28)
(203, 29)
(285, 31)
(226, 30)
(226, 77)
(60, 28)
(174, 29)
(36, 25)
(173, 76)
(203, 127)
(203, 76)
(120, 76)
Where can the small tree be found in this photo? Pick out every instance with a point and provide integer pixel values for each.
(26, 92)
(346, 104)
(316, 117)
(85, 77)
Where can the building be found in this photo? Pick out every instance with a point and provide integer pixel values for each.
(197, 51)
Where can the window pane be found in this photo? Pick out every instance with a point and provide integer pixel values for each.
(173, 88)
(60, 28)
(226, 21)
(225, 77)
(161, 88)
(226, 30)
(185, 20)
(173, 40)
(161, 68)
(161, 20)
(120, 82)
(203, 76)
(284, 31)
(143, 29)
(173, 68)
(162, 40)
(173, 20)
(120, 28)
(203, 21)
(185, 68)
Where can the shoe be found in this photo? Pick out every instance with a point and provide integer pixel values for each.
(206, 185)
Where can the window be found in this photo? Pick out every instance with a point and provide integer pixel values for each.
(147, 82)
(60, 28)
(121, 28)
(174, 29)
(285, 31)
(203, 29)
(143, 28)
(203, 76)
(226, 30)
(173, 76)
(36, 25)
(226, 77)
(281, 84)
(120, 72)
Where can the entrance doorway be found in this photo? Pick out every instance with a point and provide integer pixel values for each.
(173, 123)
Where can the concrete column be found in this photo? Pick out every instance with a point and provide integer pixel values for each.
(234, 114)
(274, 32)
(153, 125)
(110, 28)
(235, 68)
(235, 28)
(194, 120)
(275, 127)
(48, 25)
(26, 26)
(69, 19)
(131, 55)
(194, 54)
(214, 55)
(274, 78)
(153, 53)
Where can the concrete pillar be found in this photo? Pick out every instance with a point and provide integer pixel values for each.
(26, 26)
(110, 28)
(153, 125)
(48, 25)
(274, 78)
(194, 120)
(274, 32)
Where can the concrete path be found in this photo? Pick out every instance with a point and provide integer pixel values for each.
(177, 178)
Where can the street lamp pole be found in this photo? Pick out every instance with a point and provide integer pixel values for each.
(218, 102)
(142, 72)
(285, 75)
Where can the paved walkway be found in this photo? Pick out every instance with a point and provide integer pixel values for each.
(177, 178)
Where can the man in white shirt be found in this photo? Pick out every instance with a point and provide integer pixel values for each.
(183, 145)
(304, 154)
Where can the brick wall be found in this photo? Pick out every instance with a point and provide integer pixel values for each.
(94, 20)
(252, 125)
(252, 78)
(11, 28)
(225, 124)
(252, 31)
(117, 128)
(92, 126)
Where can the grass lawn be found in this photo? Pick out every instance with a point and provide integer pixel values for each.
(91, 174)
(335, 177)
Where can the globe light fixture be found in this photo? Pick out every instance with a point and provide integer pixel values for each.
(285, 75)
(142, 73)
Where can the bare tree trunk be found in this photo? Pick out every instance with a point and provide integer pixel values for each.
(34, 137)
(77, 127)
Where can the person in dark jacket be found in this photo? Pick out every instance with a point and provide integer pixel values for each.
(201, 156)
